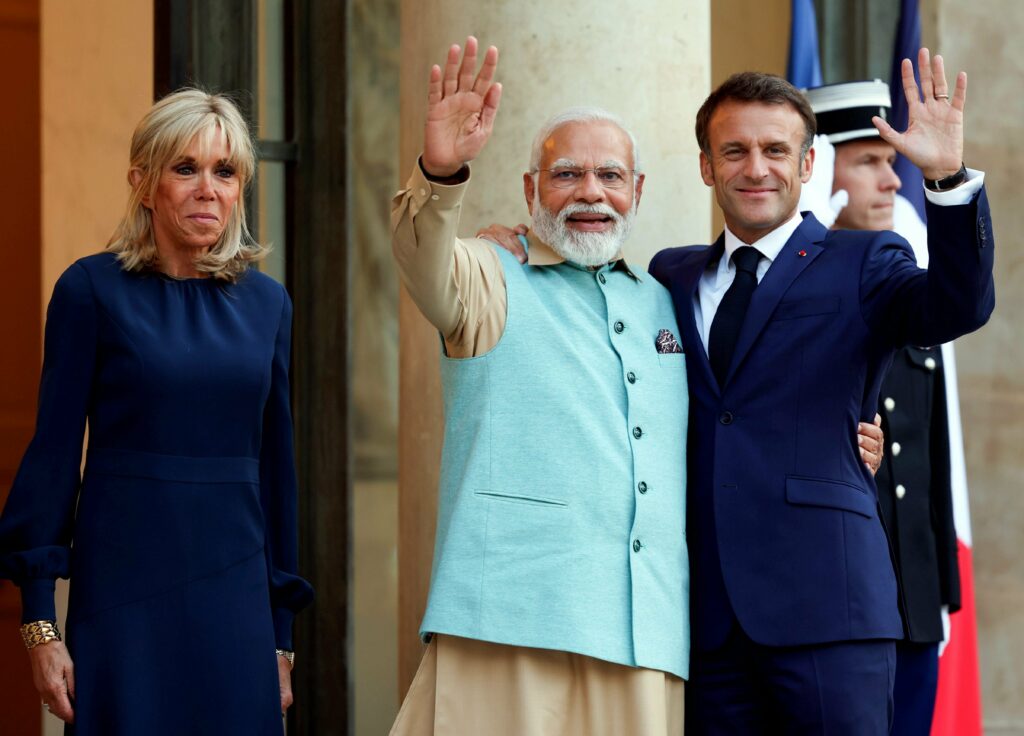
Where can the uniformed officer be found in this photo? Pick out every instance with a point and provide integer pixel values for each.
(914, 486)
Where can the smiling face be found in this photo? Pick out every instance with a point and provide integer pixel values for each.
(754, 163)
(194, 197)
(587, 221)
(864, 170)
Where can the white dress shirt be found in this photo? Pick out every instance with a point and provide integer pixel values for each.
(717, 279)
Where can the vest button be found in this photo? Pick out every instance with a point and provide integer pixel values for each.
(601, 278)
(636, 545)
(637, 432)
(726, 417)
(619, 327)
(631, 377)
(889, 403)
(642, 487)
(901, 491)
(896, 449)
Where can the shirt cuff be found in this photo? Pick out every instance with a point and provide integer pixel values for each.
(962, 194)
(431, 193)
(37, 601)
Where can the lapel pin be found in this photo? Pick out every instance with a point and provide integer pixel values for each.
(802, 253)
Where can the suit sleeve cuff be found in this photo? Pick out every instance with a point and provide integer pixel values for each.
(963, 194)
(283, 618)
(37, 601)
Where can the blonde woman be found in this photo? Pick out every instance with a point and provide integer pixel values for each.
(180, 537)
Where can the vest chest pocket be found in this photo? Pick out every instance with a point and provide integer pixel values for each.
(672, 360)
(541, 501)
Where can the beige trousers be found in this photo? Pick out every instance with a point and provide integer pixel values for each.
(465, 687)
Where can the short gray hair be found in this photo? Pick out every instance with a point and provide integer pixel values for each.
(579, 115)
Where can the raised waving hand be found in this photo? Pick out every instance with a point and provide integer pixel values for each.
(461, 108)
(934, 139)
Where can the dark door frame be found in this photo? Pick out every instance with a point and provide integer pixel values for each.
(214, 45)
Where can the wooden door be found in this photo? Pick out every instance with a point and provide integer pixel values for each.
(20, 317)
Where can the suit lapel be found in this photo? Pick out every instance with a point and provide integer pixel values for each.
(802, 248)
(684, 289)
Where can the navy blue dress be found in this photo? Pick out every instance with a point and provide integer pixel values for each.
(180, 536)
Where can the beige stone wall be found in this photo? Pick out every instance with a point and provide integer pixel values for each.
(746, 35)
(649, 63)
(373, 92)
(981, 38)
(97, 82)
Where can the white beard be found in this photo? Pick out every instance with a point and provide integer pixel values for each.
(583, 248)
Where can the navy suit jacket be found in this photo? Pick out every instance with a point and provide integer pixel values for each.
(783, 525)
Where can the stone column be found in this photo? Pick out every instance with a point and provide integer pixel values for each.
(649, 64)
(991, 382)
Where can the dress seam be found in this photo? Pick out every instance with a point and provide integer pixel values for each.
(164, 591)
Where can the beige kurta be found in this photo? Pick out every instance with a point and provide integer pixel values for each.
(465, 687)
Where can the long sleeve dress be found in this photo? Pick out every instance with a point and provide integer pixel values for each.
(180, 536)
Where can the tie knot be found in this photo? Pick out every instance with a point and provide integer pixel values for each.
(746, 259)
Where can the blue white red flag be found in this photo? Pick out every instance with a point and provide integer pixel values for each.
(908, 41)
(803, 69)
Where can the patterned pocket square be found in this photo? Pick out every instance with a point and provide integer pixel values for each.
(666, 342)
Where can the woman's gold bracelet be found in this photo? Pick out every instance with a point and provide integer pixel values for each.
(39, 632)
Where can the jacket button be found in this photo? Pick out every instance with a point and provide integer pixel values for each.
(896, 449)
(636, 545)
(982, 232)
(889, 403)
(900, 491)
(619, 327)
(929, 363)
(642, 487)
(637, 432)
(631, 377)
(726, 417)
(601, 278)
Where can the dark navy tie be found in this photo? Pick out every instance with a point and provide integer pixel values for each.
(725, 328)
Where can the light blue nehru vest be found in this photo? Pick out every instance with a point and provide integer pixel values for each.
(561, 516)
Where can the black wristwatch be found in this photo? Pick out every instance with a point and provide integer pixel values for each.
(950, 182)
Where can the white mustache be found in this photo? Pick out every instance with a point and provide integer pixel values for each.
(581, 208)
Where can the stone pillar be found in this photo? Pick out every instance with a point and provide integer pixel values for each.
(990, 379)
(650, 64)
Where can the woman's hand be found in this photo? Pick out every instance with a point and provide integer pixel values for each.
(53, 674)
(284, 677)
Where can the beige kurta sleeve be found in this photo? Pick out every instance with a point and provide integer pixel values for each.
(457, 284)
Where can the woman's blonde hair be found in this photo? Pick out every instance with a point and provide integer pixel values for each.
(164, 134)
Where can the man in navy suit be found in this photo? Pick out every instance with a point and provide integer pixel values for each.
(789, 329)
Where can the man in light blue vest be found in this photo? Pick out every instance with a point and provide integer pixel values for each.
(559, 589)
